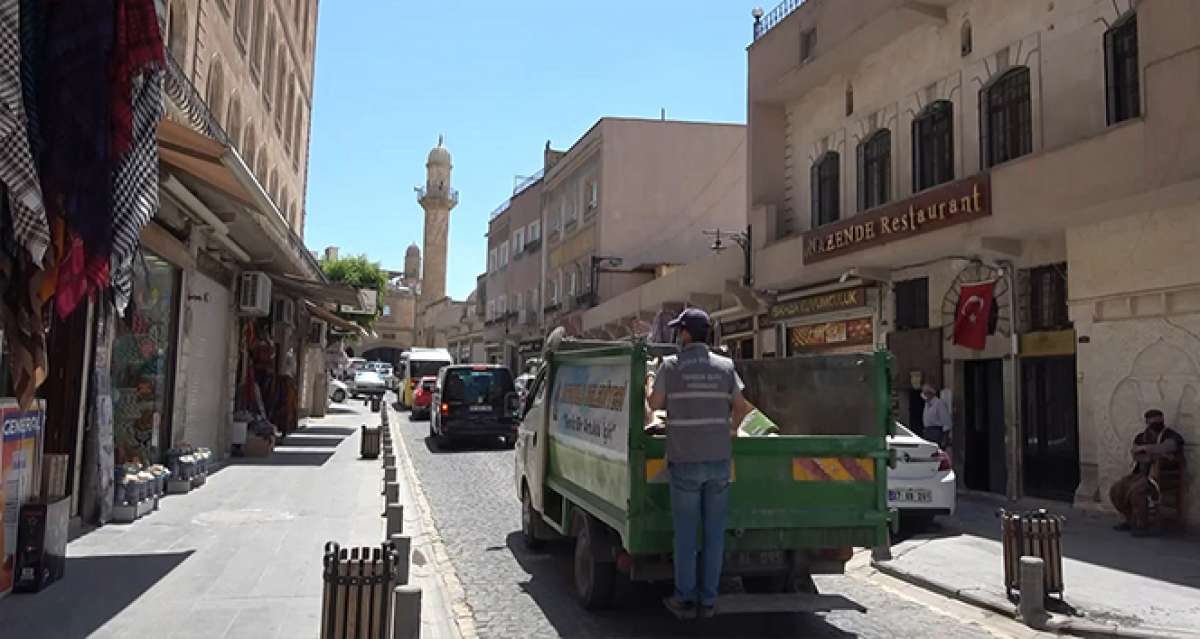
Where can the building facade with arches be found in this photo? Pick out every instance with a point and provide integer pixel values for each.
(902, 153)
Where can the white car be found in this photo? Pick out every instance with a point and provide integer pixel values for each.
(922, 484)
(338, 391)
(368, 383)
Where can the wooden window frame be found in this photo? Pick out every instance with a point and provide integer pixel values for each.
(826, 177)
(933, 145)
(1006, 115)
(875, 170)
(1122, 76)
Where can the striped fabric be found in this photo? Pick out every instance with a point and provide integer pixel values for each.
(17, 171)
(135, 184)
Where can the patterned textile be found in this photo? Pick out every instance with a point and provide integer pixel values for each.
(138, 45)
(17, 171)
(135, 185)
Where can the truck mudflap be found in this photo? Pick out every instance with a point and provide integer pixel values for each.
(790, 603)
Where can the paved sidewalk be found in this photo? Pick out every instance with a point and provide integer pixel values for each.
(1136, 587)
(238, 557)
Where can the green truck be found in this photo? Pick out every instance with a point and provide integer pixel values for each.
(587, 468)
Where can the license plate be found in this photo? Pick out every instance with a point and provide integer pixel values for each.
(481, 409)
(916, 495)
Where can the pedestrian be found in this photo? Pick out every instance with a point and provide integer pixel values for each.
(936, 417)
(702, 395)
(1134, 494)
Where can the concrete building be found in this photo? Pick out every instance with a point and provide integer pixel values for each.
(900, 152)
(252, 61)
(620, 208)
(512, 332)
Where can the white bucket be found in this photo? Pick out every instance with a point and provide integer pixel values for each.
(237, 433)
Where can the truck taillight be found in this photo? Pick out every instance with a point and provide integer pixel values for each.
(445, 408)
(943, 460)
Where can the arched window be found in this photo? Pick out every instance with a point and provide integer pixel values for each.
(269, 67)
(298, 138)
(965, 37)
(1121, 70)
(1007, 117)
(233, 122)
(215, 93)
(241, 23)
(280, 77)
(291, 105)
(273, 187)
(260, 164)
(248, 147)
(933, 145)
(875, 170)
(177, 31)
(826, 177)
(258, 37)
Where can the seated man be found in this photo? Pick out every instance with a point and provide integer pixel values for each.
(1134, 494)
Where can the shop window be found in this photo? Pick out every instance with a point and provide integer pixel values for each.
(875, 170)
(965, 44)
(826, 176)
(912, 304)
(1121, 69)
(933, 145)
(1048, 298)
(143, 364)
(1008, 117)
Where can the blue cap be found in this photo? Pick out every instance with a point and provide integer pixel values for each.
(693, 319)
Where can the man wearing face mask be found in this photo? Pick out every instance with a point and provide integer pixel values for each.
(1134, 493)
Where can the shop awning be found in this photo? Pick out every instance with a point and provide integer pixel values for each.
(322, 292)
(334, 321)
(199, 156)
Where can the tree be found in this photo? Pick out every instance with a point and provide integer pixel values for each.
(359, 272)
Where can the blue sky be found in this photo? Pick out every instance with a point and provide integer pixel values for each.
(498, 79)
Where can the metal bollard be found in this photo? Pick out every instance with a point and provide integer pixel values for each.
(391, 495)
(403, 546)
(1032, 605)
(395, 520)
(406, 612)
(389, 460)
(389, 474)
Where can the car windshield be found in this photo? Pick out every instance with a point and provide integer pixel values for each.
(426, 368)
(427, 384)
(478, 385)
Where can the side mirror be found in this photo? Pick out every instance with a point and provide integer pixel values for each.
(512, 402)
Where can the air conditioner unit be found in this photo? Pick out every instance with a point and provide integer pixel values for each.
(284, 312)
(316, 332)
(254, 294)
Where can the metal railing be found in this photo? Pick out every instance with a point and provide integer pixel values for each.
(191, 104)
(527, 181)
(769, 21)
(450, 194)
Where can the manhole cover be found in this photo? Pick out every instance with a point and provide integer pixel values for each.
(246, 517)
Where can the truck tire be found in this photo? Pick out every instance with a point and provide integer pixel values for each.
(529, 521)
(594, 578)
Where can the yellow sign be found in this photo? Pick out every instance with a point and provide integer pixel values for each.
(823, 303)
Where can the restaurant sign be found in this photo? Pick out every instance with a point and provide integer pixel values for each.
(815, 304)
(946, 205)
(831, 334)
(733, 327)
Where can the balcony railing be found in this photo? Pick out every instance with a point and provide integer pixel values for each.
(450, 194)
(191, 104)
(782, 10)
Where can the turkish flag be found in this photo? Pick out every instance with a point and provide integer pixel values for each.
(971, 315)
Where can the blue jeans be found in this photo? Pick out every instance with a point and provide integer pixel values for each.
(699, 499)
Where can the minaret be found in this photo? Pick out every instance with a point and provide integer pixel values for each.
(437, 198)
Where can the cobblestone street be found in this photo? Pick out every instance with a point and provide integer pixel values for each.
(513, 592)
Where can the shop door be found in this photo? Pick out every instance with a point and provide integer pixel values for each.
(207, 412)
(983, 386)
(1051, 428)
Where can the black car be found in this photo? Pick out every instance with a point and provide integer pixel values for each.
(474, 401)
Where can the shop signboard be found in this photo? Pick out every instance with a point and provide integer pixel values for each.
(954, 203)
(835, 334)
(823, 303)
(734, 327)
(18, 454)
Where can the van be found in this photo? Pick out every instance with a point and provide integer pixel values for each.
(475, 401)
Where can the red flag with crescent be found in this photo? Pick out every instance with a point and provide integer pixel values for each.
(971, 316)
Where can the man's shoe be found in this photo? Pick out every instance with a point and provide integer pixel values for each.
(680, 608)
(708, 612)
(1123, 527)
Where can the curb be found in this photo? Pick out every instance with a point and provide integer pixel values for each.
(1055, 623)
(461, 614)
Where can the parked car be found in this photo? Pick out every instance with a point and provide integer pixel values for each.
(474, 401)
(369, 383)
(922, 485)
(423, 398)
(338, 391)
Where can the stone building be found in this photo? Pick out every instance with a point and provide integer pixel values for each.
(513, 280)
(900, 153)
(252, 61)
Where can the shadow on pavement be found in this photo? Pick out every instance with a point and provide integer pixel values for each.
(638, 610)
(283, 458)
(339, 410)
(313, 440)
(344, 431)
(93, 591)
(470, 445)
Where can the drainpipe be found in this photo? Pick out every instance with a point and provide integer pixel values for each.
(1014, 438)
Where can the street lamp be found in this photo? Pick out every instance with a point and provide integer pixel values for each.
(743, 240)
(597, 260)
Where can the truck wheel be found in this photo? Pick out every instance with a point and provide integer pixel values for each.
(594, 578)
(529, 521)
